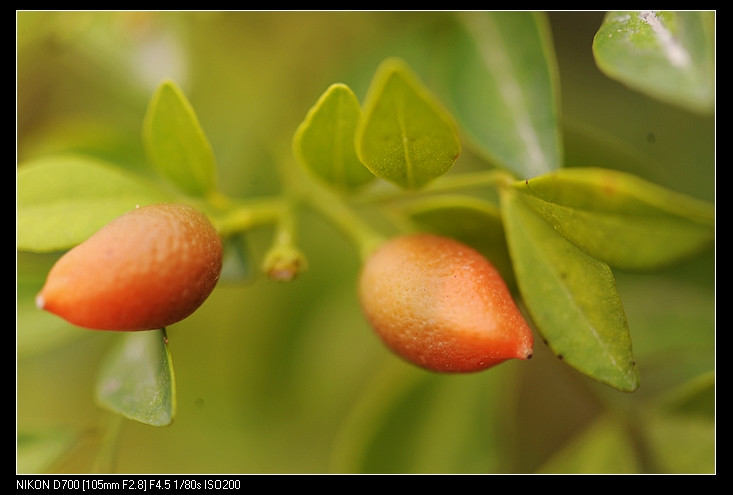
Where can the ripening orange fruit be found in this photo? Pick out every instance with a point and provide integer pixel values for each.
(441, 305)
(147, 269)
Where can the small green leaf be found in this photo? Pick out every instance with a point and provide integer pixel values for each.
(500, 80)
(405, 135)
(324, 141)
(176, 144)
(470, 220)
(666, 55)
(63, 200)
(137, 381)
(571, 297)
(621, 219)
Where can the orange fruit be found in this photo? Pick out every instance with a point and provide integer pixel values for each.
(147, 269)
(441, 305)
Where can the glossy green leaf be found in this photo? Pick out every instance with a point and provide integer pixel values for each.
(137, 380)
(324, 141)
(176, 144)
(470, 220)
(571, 297)
(65, 199)
(621, 219)
(666, 55)
(604, 447)
(405, 135)
(500, 80)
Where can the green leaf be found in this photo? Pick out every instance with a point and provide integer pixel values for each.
(621, 219)
(63, 200)
(324, 141)
(571, 297)
(405, 135)
(470, 220)
(666, 55)
(176, 144)
(500, 80)
(137, 381)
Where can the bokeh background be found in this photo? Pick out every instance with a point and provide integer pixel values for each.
(288, 378)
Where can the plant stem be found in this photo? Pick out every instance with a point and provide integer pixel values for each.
(301, 188)
(334, 208)
(448, 183)
(469, 180)
(243, 215)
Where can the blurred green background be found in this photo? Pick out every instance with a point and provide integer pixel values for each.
(288, 378)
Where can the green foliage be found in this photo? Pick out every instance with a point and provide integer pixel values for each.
(324, 141)
(137, 381)
(264, 365)
(176, 145)
(571, 296)
(620, 219)
(62, 200)
(504, 94)
(667, 55)
(405, 136)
